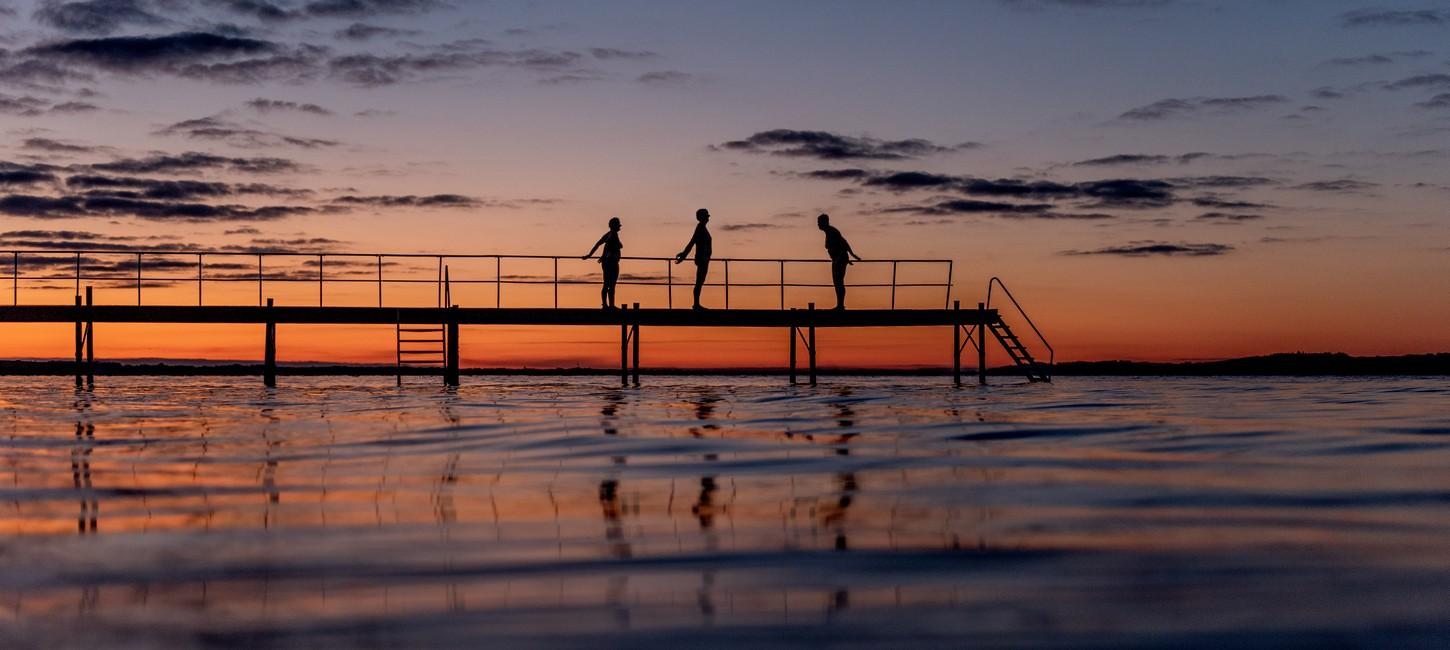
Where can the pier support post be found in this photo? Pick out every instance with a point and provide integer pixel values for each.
(634, 334)
(956, 343)
(450, 351)
(624, 345)
(794, 333)
(811, 342)
(80, 341)
(269, 353)
(90, 341)
(982, 344)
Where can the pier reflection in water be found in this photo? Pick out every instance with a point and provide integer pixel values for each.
(343, 511)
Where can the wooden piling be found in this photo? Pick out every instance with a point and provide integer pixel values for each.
(624, 345)
(982, 346)
(80, 341)
(956, 344)
(794, 333)
(811, 341)
(634, 334)
(451, 373)
(90, 341)
(269, 353)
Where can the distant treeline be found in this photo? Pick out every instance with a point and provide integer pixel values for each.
(1289, 364)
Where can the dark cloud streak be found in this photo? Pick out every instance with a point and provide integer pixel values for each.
(1176, 108)
(1157, 249)
(824, 145)
(98, 17)
(263, 105)
(192, 162)
(1395, 18)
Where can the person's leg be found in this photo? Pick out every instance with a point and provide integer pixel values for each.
(838, 276)
(702, 271)
(611, 279)
(604, 287)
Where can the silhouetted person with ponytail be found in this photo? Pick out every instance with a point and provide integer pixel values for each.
(840, 251)
(701, 243)
(608, 262)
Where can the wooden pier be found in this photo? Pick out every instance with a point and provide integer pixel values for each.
(970, 327)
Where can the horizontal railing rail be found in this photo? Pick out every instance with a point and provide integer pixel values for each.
(80, 266)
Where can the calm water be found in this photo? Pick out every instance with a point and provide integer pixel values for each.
(719, 511)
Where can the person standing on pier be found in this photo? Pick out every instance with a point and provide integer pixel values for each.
(701, 243)
(840, 251)
(608, 262)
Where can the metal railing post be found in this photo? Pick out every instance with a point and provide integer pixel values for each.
(78, 274)
(198, 279)
(498, 282)
(670, 285)
(380, 281)
(893, 284)
(950, 277)
(138, 279)
(782, 290)
(15, 280)
(319, 280)
(556, 283)
(727, 284)
(259, 280)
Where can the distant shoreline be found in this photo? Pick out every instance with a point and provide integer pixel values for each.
(1278, 365)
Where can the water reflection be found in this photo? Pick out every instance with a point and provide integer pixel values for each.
(530, 508)
(80, 469)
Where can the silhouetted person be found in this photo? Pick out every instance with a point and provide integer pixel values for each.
(701, 243)
(608, 262)
(840, 251)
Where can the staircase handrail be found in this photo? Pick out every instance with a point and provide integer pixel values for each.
(1051, 353)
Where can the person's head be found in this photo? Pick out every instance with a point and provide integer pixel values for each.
(702, 215)
(823, 221)
(614, 223)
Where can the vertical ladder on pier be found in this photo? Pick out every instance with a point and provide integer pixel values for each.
(421, 346)
(425, 346)
(1035, 370)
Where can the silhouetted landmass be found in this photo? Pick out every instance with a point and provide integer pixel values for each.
(1289, 364)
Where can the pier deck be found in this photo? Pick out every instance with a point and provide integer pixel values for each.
(498, 316)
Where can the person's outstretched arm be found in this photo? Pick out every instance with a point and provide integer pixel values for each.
(596, 247)
(849, 251)
(686, 253)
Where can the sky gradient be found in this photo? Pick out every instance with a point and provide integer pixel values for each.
(1156, 179)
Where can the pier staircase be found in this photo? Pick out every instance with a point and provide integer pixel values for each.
(1035, 370)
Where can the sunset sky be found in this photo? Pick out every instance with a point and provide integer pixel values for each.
(1156, 179)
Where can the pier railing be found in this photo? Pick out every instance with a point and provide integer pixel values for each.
(178, 269)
